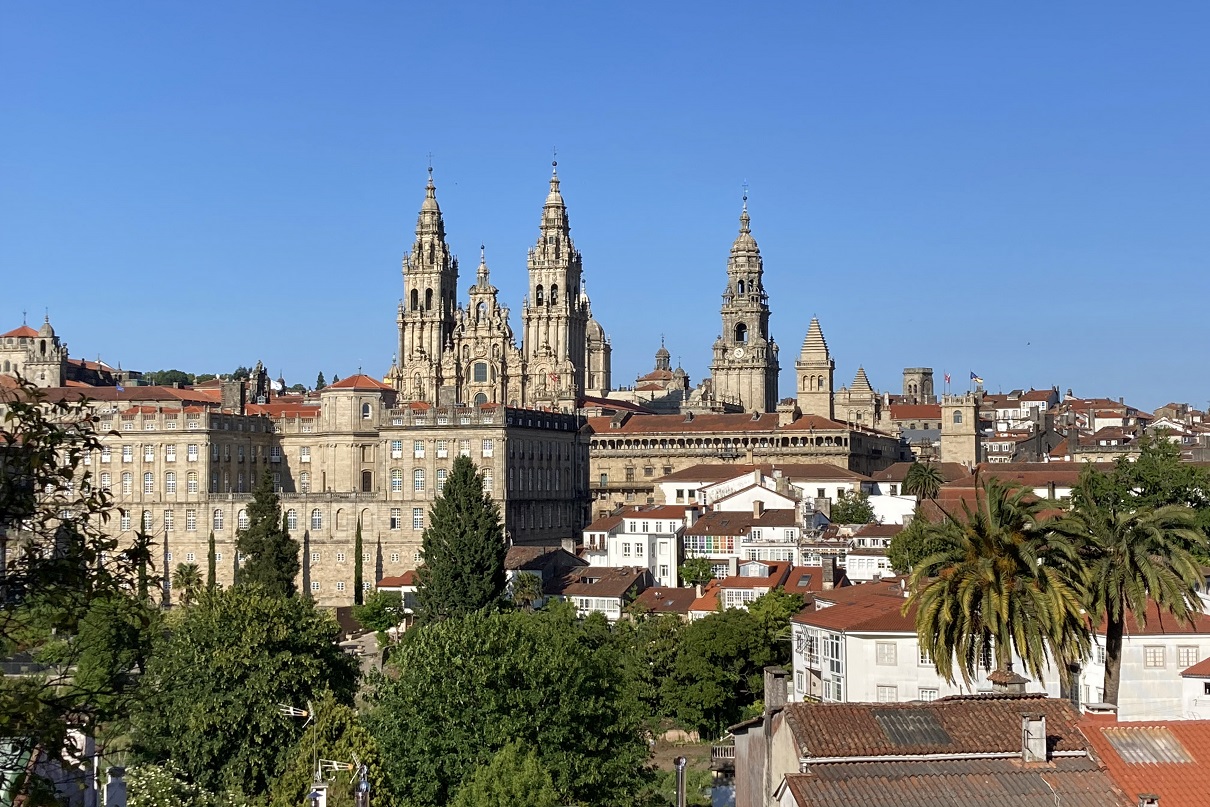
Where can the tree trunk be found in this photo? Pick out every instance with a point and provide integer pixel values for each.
(1114, 628)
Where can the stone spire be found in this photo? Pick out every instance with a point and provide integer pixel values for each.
(430, 222)
(814, 346)
(861, 384)
(482, 275)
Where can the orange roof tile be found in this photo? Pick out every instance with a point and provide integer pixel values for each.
(359, 381)
(24, 330)
(1169, 759)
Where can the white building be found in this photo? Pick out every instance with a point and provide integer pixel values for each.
(643, 536)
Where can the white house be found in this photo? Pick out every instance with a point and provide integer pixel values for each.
(857, 645)
(642, 536)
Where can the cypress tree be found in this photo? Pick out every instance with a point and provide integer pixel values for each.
(464, 550)
(271, 555)
(319, 382)
(358, 571)
(211, 564)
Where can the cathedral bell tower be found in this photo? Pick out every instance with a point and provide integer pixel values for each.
(814, 370)
(745, 368)
(555, 313)
(427, 311)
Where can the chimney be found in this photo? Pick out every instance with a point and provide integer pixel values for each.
(775, 689)
(1007, 682)
(829, 573)
(758, 508)
(691, 514)
(697, 589)
(115, 788)
(1033, 738)
(1149, 800)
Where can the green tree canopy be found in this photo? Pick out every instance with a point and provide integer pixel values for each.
(852, 507)
(210, 699)
(527, 590)
(271, 555)
(999, 585)
(187, 580)
(168, 377)
(647, 650)
(696, 571)
(382, 611)
(915, 542)
(61, 566)
(1133, 553)
(718, 670)
(461, 689)
(319, 381)
(337, 733)
(513, 777)
(923, 480)
(463, 549)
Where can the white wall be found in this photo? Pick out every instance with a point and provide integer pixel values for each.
(1147, 693)
(892, 509)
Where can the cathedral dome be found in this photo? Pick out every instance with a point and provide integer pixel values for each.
(46, 329)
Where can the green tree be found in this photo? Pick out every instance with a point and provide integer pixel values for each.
(1001, 585)
(111, 649)
(915, 542)
(923, 480)
(335, 378)
(358, 567)
(241, 373)
(202, 378)
(298, 388)
(1134, 554)
(527, 590)
(336, 732)
(60, 566)
(773, 612)
(696, 571)
(718, 671)
(647, 647)
(852, 507)
(382, 611)
(513, 777)
(319, 381)
(463, 549)
(210, 699)
(168, 377)
(461, 689)
(187, 579)
(270, 554)
(211, 564)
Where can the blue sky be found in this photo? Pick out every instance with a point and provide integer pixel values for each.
(1016, 189)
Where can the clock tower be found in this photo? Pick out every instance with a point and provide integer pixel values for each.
(744, 369)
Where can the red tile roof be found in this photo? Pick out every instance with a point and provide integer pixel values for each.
(1199, 670)
(24, 330)
(408, 578)
(738, 423)
(978, 724)
(665, 600)
(950, 471)
(1169, 759)
(1160, 623)
(359, 382)
(916, 412)
(602, 581)
(873, 615)
(718, 472)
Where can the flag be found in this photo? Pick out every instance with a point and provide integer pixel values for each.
(121, 388)
(976, 378)
(947, 378)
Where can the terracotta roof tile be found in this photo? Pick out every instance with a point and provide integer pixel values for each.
(665, 600)
(359, 381)
(24, 330)
(1145, 757)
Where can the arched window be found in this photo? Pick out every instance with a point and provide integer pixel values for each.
(428, 299)
(149, 482)
(367, 481)
(538, 296)
(304, 482)
(740, 287)
(191, 482)
(145, 521)
(365, 411)
(217, 521)
(482, 310)
(480, 399)
(441, 474)
(317, 519)
(807, 383)
(820, 386)
(554, 295)
(291, 519)
(170, 482)
(741, 333)
(418, 480)
(241, 520)
(479, 372)
(957, 416)
(396, 480)
(415, 300)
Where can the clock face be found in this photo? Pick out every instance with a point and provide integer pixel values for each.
(738, 353)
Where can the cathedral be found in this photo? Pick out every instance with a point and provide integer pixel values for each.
(451, 353)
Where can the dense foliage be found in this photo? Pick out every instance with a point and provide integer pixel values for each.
(513, 777)
(210, 699)
(382, 611)
(852, 507)
(270, 554)
(460, 690)
(463, 548)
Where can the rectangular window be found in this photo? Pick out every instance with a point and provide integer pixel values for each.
(626, 550)
(315, 585)
(315, 557)
(127, 453)
(340, 557)
(191, 452)
(1186, 656)
(441, 475)
(304, 453)
(169, 520)
(888, 694)
(190, 557)
(489, 447)
(925, 658)
(148, 453)
(396, 449)
(1153, 656)
(464, 448)
(928, 694)
(191, 520)
(105, 454)
(340, 585)
(396, 518)
(394, 557)
(443, 450)
(417, 518)
(170, 453)
(487, 480)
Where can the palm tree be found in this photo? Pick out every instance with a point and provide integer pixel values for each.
(923, 480)
(187, 579)
(527, 590)
(1133, 555)
(1000, 586)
